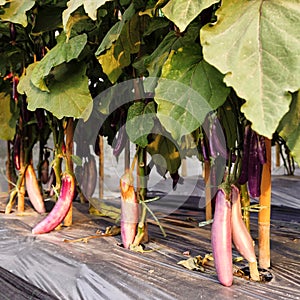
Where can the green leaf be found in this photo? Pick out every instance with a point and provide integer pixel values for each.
(69, 96)
(289, 127)
(7, 120)
(182, 12)
(115, 31)
(257, 45)
(119, 54)
(16, 12)
(90, 7)
(140, 122)
(62, 52)
(188, 89)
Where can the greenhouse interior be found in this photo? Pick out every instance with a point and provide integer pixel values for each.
(149, 149)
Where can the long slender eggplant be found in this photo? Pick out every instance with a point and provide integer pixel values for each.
(262, 153)
(217, 141)
(92, 177)
(51, 181)
(120, 143)
(254, 167)
(61, 207)
(221, 239)
(85, 178)
(13, 32)
(40, 118)
(245, 160)
(15, 83)
(17, 152)
(33, 190)
(240, 234)
(129, 209)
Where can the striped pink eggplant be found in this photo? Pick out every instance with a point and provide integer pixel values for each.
(221, 239)
(129, 209)
(61, 207)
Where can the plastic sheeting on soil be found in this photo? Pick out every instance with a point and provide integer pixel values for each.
(102, 269)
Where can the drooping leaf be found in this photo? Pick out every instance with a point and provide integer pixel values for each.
(69, 95)
(188, 89)
(140, 122)
(16, 12)
(7, 126)
(182, 12)
(257, 45)
(115, 31)
(164, 153)
(289, 128)
(119, 54)
(62, 52)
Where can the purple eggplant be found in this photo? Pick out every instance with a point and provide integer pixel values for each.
(245, 159)
(13, 32)
(254, 167)
(121, 140)
(217, 141)
(40, 117)
(17, 151)
(262, 149)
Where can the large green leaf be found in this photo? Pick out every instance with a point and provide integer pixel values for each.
(16, 12)
(140, 122)
(289, 128)
(69, 94)
(188, 89)
(7, 127)
(119, 54)
(183, 12)
(257, 45)
(62, 52)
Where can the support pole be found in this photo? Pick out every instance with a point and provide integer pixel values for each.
(69, 151)
(264, 215)
(101, 167)
(208, 206)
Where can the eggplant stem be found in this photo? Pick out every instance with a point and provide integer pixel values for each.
(156, 219)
